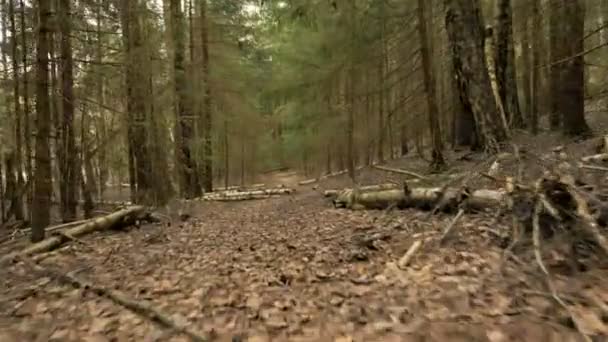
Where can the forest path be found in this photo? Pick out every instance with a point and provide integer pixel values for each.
(287, 269)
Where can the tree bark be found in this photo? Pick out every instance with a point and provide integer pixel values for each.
(186, 122)
(42, 176)
(26, 105)
(556, 37)
(86, 170)
(17, 205)
(464, 26)
(537, 47)
(571, 90)
(68, 169)
(136, 79)
(526, 78)
(437, 160)
(207, 114)
(381, 128)
(505, 64)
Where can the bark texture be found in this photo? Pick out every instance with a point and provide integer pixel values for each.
(466, 36)
(42, 175)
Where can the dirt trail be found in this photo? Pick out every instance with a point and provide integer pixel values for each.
(292, 269)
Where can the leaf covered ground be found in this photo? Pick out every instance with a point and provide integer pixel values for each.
(293, 268)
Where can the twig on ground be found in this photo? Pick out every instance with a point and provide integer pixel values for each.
(449, 228)
(407, 257)
(143, 308)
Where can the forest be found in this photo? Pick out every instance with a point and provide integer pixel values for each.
(303, 170)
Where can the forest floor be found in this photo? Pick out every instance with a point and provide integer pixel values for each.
(293, 268)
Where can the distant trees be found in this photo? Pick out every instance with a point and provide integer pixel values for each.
(198, 92)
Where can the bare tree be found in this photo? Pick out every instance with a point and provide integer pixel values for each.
(42, 175)
(437, 160)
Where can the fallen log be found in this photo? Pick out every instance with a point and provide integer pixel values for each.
(375, 187)
(400, 171)
(308, 181)
(601, 157)
(423, 198)
(244, 195)
(142, 308)
(237, 188)
(114, 220)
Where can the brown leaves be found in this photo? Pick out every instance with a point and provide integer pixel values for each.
(297, 271)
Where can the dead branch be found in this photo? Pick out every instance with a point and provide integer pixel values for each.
(597, 158)
(142, 308)
(124, 216)
(407, 257)
(449, 228)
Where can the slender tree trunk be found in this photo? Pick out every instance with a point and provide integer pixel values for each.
(571, 90)
(68, 168)
(464, 26)
(537, 47)
(85, 168)
(505, 64)
(226, 155)
(17, 203)
(136, 97)
(243, 162)
(189, 182)
(101, 154)
(526, 79)
(381, 128)
(3, 196)
(207, 116)
(350, 124)
(437, 160)
(556, 39)
(26, 105)
(42, 177)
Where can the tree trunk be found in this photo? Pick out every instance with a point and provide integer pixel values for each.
(101, 154)
(526, 57)
(350, 124)
(137, 131)
(68, 168)
(26, 105)
(189, 182)
(537, 47)
(42, 177)
(604, 15)
(556, 41)
(86, 170)
(3, 196)
(17, 203)
(437, 160)
(505, 64)
(571, 96)
(207, 114)
(381, 128)
(464, 26)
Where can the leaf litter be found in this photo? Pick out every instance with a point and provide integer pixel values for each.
(294, 269)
